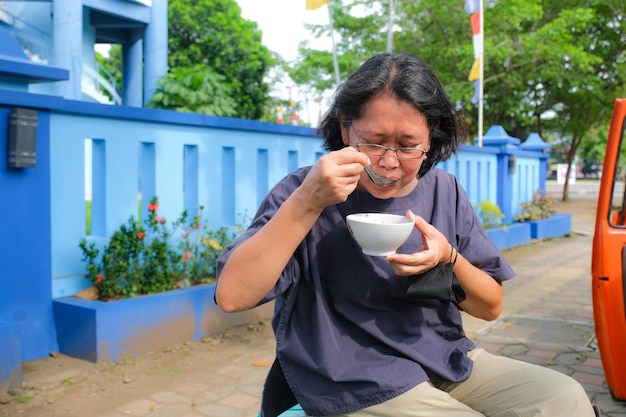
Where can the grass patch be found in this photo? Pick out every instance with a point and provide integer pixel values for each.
(23, 399)
(172, 371)
(88, 217)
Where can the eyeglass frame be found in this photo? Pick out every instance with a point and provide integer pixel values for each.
(386, 148)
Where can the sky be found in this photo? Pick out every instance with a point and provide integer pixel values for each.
(281, 22)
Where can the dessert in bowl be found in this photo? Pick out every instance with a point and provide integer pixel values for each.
(379, 234)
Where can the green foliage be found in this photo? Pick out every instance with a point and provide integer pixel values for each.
(541, 207)
(111, 66)
(541, 56)
(201, 246)
(145, 260)
(489, 214)
(23, 399)
(195, 89)
(212, 34)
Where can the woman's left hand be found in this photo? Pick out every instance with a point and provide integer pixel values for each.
(484, 294)
(435, 250)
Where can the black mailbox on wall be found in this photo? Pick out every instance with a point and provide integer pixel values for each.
(22, 138)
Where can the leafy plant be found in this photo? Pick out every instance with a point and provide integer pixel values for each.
(201, 246)
(489, 214)
(541, 207)
(146, 259)
(194, 89)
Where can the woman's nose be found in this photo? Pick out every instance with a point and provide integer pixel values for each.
(389, 159)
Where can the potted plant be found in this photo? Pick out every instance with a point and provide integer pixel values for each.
(541, 214)
(154, 287)
(504, 236)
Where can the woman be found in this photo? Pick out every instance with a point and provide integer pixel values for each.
(353, 338)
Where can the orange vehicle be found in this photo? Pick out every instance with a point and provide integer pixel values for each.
(608, 264)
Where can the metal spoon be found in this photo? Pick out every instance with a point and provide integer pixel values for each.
(377, 179)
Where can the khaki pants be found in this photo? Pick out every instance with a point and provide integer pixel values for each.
(497, 387)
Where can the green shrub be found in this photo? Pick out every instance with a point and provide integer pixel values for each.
(540, 207)
(489, 214)
(150, 258)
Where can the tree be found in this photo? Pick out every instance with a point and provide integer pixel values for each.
(212, 40)
(563, 58)
(194, 89)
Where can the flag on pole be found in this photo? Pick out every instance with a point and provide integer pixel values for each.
(315, 4)
(477, 38)
(476, 9)
(476, 97)
(473, 8)
(474, 73)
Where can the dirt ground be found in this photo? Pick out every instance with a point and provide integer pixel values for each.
(62, 386)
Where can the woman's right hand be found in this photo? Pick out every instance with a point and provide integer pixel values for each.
(334, 177)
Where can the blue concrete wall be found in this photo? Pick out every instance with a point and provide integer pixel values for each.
(10, 359)
(25, 239)
(91, 330)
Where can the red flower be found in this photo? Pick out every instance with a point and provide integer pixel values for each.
(153, 206)
(141, 235)
(160, 220)
(187, 256)
(98, 279)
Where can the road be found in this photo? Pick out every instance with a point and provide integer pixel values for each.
(580, 190)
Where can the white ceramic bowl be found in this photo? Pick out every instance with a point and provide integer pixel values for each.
(379, 234)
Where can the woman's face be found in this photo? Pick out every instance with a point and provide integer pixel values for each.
(395, 124)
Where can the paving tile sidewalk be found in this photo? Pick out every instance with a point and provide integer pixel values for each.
(547, 319)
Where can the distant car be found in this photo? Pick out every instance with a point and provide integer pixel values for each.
(592, 171)
(608, 260)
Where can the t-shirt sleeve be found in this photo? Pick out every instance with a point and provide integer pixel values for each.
(474, 243)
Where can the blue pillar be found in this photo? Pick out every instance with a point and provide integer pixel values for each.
(25, 255)
(496, 136)
(132, 94)
(155, 48)
(535, 143)
(67, 18)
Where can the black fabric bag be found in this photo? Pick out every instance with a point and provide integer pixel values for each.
(439, 283)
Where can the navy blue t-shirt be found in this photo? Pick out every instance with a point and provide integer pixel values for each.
(347, 335)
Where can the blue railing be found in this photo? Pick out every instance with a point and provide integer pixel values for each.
(225, 165)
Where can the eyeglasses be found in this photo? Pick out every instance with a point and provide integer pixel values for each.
(379, 150)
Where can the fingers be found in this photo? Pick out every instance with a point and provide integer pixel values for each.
(335, 176)
(420, 224)
(435, 250)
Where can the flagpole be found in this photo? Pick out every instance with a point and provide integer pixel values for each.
(332, 38)
(390, 28)
(482, 74)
